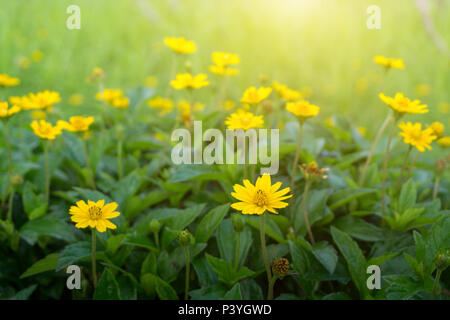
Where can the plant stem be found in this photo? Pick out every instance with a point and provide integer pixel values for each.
(413, 163)
(238, 251)
(11, 203)
(305, 213)
(436, 187)
(271, 285)
(188, 266)
(297, 155)
(372, 149)
(94, 266)
(405, 162)
(119, 158)
(262, 233)
(10, 167)
(436, 283)
(88, 166)
(386, 158)
(47, 173)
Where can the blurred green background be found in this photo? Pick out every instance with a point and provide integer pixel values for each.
(321, 44)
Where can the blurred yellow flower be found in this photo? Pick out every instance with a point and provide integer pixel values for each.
(444, 142)
(256, 199)
(162, 104)
(186, 80)
(402, 105)
(41, 100)
(438, 128)
(39, 115)
(45, 130)
(302, 109)
(151, 82)
(114, 97)
(423, 90)
(37, 56)
(222, 60)
(286, 93)
(414, 135)
(97, 74)
(180, 45)
(223, 71)
(254, 96)
(76, 99)
(94, 214)
(390, 63)
(362, 131)
(76, 124)
(244, 120)
(7, 111)
(8, 81)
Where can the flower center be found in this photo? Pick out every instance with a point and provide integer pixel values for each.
(95, 213)
(245, 121)
(260, 198)
(416, 134)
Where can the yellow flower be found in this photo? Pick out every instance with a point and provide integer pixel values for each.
(438, 128)
(286, 93)
(121, 103)
(186, 80)
(225, 59)
(6, 111)
(37, 55)
(180, 45)
(244, 120)
(8, 81)
(390, 63)
(94, 215)
(151, 82)
(223, 71)
(423, 90)
(444, 142)
(414, 135)
(114, 97)
(362, 131)
(40, 100)
(39, 115)
(402, 105)
(163, 104)
(45, 130)
(312, 171)
(254, 96)
(76, 99)
(97, 74)
(302, 109)
(256, 199)
(76, 124)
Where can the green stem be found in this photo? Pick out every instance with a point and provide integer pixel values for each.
(11, 203)
(405, 162)
(238, 251)
(88, 166)
(372, 149)
(305, 213)
(413, 163)
(271, 285)
(94, 266)
(297, 155)
(262, 233)
(385, 165)
(119, 159)
(436, 187)
(10, 167)
(188, 266)
(436, 283)
(47, 172)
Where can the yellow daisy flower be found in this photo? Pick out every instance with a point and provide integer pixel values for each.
(438, 128)
(390, 63)
(180, 45)
(256, 199)
(302, 109)
(7, 111)
(76, 124)
(114, 97)
(8, 81)
(223, 71)
(414, 135)
(402, 105)
(41, 100)
(244, 120)
(94, 215)
(225, 59)
(254, 96)
(444, 142)
(286, 93)
(188, 81)
(45, 130)
(163, 104)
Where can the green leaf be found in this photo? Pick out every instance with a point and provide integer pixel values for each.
(326, 255)
(359, 229)
(92, 195)
(140, 241)
(107, 288)
(356, 262)
(210, 222)
(126, 188)
(342, 197)
(25, 293)
(163, 289)
(183, 218)
(49, 225)
(227, 240)
(196, 172)
(46, 264)
(234, 293)
(407, 198)
(73, 253)
(226, 272)
(381, 259)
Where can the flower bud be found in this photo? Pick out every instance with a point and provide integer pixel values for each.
(120, 132)
(280, 267)
(185, 238)
(443, 260)
(238, 222)
(16, 180)
(154, 226)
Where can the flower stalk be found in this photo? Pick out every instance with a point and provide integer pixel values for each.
(264, 249)
(94, 266)
(88, 166)
(47, 172)
(297, 154)
(188, 271)
(385, 165)
(305, 213)
(405, 162)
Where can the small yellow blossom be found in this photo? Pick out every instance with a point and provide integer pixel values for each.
(76, 124)
(438, 128)
(7, 111)
(362, 131)
(94, 214)
(256, 199)
(286, 93)
(114, 97)
(401, 105)
(180, 45)
(390, 63)
(164, 105)
(8, 81)
(188, 81)
(45, 130)
(97, 74)
(244, 120)
(414, 135)
(253, 96)
(444, 142)
(223, 71)
(222, 61)
(302, 109)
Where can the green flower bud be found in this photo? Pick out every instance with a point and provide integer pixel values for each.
(154, 226)
(238, 222)
(443, 260)
(120, 132)
(16, 180)
(185, 238)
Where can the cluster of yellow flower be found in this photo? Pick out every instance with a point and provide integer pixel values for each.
(114, 97)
